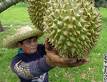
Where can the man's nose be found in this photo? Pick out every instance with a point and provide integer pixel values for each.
(33, 43)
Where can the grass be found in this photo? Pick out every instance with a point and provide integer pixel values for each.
(91, 72)
(15, 16)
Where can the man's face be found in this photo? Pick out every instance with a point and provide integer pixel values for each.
(29, 45)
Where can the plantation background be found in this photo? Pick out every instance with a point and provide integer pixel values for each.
(90, 72)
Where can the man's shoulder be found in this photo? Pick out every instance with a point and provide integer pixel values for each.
(19, 54)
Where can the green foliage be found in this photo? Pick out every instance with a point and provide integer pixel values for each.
(90, 72)
(2, 0)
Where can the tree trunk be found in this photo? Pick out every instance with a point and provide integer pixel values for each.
(5, 4)
(101, 3)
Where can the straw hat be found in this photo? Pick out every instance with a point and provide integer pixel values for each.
(20, 34)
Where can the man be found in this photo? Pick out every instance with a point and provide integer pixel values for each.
(33, 60)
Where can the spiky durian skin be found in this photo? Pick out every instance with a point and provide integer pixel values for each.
(72, 26)
(36, 10)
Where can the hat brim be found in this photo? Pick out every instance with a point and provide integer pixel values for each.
(12, 41)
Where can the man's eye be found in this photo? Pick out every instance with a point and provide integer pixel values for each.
(34, 40)
(28, 41)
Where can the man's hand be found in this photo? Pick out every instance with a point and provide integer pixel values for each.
(49, 48)
(53, 58)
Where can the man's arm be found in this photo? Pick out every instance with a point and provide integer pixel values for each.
(53, 58)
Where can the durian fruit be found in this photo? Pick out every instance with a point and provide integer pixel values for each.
(72, 26)
(36, 10)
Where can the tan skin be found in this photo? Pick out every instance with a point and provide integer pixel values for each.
(52, 57)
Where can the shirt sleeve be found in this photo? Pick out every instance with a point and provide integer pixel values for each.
(31, 69)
